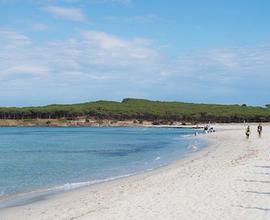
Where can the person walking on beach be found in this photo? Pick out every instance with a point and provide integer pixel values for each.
(259, 130)
(248, 132)
(206, 129)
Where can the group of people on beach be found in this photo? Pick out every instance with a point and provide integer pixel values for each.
(259, 130)
(208, 129)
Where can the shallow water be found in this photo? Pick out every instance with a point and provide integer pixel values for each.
(34, 158)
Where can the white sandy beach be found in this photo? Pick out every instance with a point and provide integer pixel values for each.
(230, 179)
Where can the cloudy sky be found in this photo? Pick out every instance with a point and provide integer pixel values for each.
(68, 51)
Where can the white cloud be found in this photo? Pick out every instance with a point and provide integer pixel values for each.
(239, 61)
(124, 2)
(98, 65)
(29, 69)
(103, 40)
(92, 55)
(11, 38)
(73, 14)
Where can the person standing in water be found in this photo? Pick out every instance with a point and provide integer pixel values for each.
(206, 129)
(259, 130)
(248, 132)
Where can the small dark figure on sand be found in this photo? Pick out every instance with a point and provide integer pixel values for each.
(248, 132)
(259, 130)
(206, 129)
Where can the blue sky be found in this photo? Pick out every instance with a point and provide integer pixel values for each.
(68, 51)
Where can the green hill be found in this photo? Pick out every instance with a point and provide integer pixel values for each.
(140, 109)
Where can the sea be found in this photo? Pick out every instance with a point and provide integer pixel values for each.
(37, 162)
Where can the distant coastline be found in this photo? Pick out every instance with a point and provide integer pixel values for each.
(131, 112)
(81, 122)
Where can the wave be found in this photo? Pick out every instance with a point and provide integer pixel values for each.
(184, 136)
(71, 186)
(157, 158)
(42, 194)
(193, 147)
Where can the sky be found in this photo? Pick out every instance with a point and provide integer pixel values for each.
(72, 51)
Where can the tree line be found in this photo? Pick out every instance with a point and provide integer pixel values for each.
(139, 109)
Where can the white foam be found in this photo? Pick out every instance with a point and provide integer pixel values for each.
(157, 158)
(192, 147)
(32, 196)
(184, 136)
(71, 186)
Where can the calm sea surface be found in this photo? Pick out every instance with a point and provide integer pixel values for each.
(41, 158)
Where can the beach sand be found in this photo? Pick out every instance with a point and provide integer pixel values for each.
(230, 179)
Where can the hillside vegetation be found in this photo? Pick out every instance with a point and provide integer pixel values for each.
(138, 109)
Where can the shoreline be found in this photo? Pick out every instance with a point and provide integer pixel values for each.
(104, 126)
(30, 197)
(92, 123)
(225, 180)
(81, 123)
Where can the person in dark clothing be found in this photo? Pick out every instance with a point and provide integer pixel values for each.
(259, 130)
(248, 132)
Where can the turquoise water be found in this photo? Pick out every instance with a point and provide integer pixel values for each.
(34, 158)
